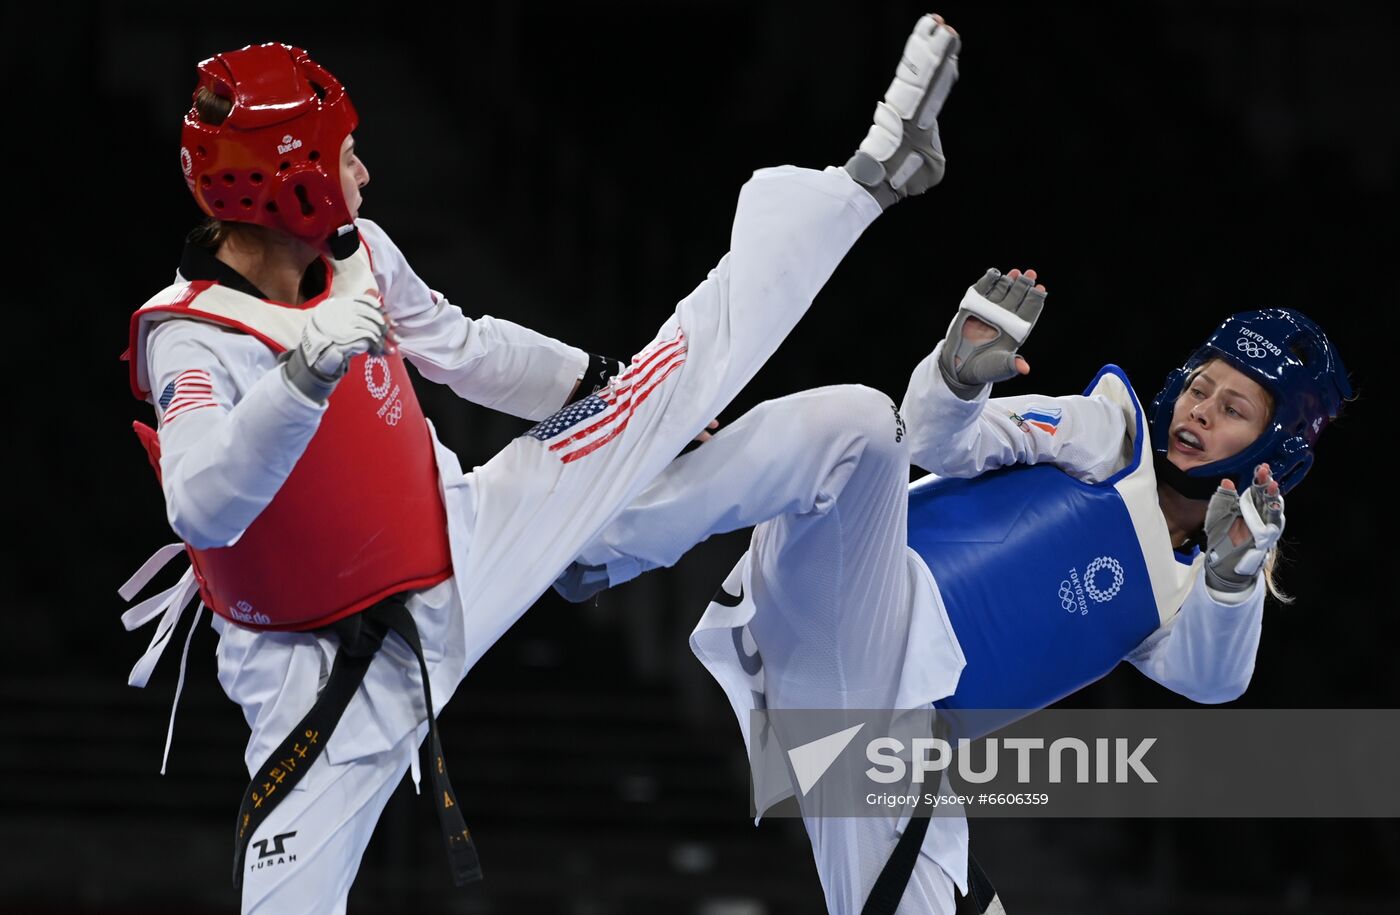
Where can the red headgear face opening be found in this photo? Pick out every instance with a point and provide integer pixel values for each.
(275, 160)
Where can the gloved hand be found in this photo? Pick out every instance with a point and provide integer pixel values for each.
(1002, 309)
(336, 331)
(902, 153)
(1240, 531)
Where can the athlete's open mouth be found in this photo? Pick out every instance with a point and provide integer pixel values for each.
(1188, 442)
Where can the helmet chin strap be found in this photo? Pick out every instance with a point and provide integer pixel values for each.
(1191, 487)
(344, 242)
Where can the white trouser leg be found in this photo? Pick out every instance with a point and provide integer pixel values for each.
(832, 592)
(825, 475)
(537, 504)
(304, 856)
(789, 456)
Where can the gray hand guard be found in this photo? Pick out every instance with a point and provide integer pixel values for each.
(1010, 307)
(902, 154)
(1231, 568)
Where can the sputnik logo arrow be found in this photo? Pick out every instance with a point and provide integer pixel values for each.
(811, 760)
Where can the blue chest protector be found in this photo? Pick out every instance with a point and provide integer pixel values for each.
(1043, 576)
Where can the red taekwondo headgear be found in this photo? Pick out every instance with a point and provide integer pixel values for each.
(275, 160)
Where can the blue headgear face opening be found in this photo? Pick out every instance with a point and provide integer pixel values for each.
(1291, 358)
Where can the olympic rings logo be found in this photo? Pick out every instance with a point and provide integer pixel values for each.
(1250, 348)
(1098, 565)
(377, 391)
(1067, 600)
(395, 413)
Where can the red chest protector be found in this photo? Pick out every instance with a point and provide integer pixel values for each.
(371, 462)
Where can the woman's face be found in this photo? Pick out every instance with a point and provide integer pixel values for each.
(1221, 411)
(353, 176)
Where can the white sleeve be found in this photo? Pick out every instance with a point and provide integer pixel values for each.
(1206, 652)
(1084, 436)
(486, 360)
(225, 450)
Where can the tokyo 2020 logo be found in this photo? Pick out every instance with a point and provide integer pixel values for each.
(1092, 579)
(1101, 582)
(377, 368)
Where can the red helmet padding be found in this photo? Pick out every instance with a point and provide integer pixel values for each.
(275, 160)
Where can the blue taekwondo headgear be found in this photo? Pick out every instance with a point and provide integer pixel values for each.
(1290, 356)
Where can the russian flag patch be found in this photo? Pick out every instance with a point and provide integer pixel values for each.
(1046, 419)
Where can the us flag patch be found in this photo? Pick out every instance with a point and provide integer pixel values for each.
(583, 427)
(190, 390)
(571, 415)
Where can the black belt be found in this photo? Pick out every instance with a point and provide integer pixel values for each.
(894, 878)
(889, 886)
(360, 638)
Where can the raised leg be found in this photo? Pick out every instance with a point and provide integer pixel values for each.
(549, 493)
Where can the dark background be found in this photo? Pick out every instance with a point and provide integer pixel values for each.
(574, 168)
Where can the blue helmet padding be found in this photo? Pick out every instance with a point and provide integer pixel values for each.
(1289, 355)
